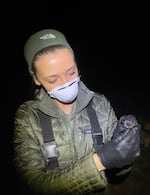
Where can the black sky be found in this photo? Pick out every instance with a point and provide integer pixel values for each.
(111, 47)
(111, 44)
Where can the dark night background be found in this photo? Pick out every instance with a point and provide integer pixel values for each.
(111, 44)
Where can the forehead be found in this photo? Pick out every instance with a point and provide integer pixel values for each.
(57, 60)
(57, 53)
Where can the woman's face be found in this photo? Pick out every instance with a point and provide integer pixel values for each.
(55, 69)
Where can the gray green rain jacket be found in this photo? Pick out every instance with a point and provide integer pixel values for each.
(77, 173)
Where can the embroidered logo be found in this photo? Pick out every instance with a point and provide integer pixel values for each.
(48, 36)
(87, 131)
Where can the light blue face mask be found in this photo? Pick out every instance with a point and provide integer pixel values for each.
(66, 93)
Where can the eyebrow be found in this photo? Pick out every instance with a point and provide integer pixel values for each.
(70, 68)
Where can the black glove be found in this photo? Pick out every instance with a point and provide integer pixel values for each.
(124, 148)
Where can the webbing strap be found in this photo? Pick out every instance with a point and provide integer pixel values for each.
(46, 127)
(48, 137)
(96, 129)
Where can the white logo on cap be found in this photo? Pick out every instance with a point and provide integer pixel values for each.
(48, 36)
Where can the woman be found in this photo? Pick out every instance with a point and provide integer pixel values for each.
(87, 140)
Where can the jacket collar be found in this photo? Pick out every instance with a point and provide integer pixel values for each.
(84, 97)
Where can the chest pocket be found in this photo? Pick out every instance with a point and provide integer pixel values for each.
(49, 141)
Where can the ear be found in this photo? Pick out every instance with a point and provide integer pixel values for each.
(35, 79)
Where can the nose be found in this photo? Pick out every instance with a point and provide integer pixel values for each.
(64, 80)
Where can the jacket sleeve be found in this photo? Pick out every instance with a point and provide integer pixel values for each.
(108, 128)
(106, 116)
(80, 177)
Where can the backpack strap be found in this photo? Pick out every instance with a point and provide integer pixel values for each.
(49, 141)
(96, 129)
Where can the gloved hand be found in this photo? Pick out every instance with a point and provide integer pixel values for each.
(124, 148)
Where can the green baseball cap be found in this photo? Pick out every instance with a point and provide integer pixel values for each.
(41, 40)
